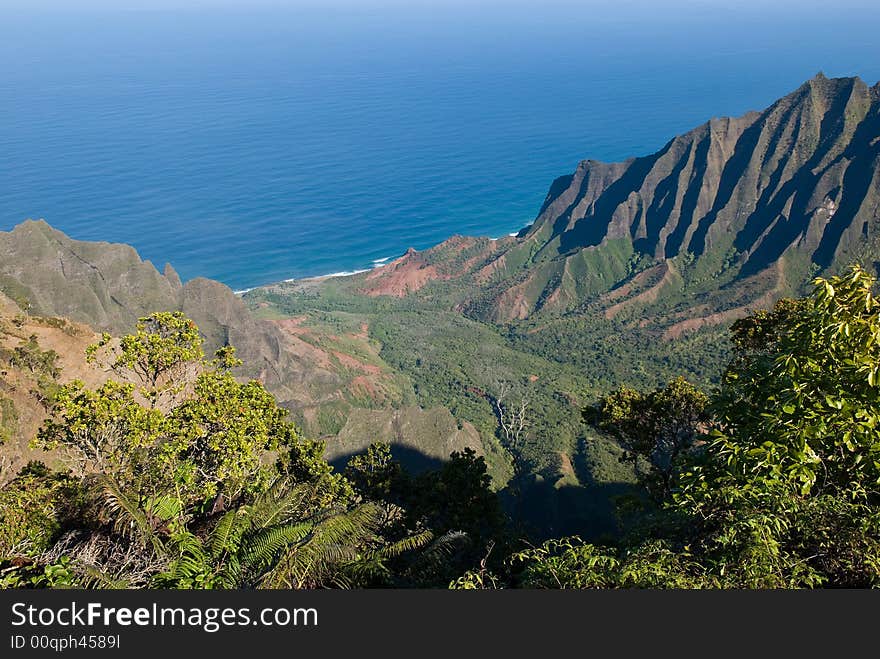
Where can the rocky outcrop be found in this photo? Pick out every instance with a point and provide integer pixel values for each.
(105, 285)
(109, 287)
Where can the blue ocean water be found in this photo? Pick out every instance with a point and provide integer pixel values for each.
(251, 147)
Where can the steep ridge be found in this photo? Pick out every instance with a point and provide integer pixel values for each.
(104, 285)
(108, 287)
(762, 183)
(628, 275)
(36, 354)
(796, 184)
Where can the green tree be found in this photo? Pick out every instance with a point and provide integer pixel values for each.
(28, 355)
(571, 563)
(656, 429)
(783, 488)
(454, 505)
(163, 355)
(212, 488)
(457, 497)
(375, 473)
(787, 491)
(802, 408)
(209, 447)
(218, 437)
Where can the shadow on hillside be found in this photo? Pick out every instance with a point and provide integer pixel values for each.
(412, 460)
(545, 510)
(548, 511)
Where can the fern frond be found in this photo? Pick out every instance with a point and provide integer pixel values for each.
(261, 550)
(191, 560)
(93, 578)
(278, 504)
(129, 520)
(163, 507)
(226, 534)
(373, 565)
(334, 542)
(407, 544)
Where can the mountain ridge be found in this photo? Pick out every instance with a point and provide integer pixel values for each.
(321, 377)
(796, 183)
(629, 274)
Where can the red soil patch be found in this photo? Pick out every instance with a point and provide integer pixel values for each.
(351, 362)
(647, 296)
(764, 301)
(294, 334)
(485, 273)
(639, 280)
(362, 385)
(675, 331)
(399, 278)
(512, 305)
(293, 325)
(469, 264)
(566, 468)
(554, 300)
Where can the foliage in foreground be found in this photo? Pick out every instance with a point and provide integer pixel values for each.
(180, 476)
(184, 477)
(779, 486)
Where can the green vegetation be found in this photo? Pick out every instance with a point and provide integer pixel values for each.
(558, 472)
(703, 462)
(8, 419)
(33, 508)
(780, 489)
(181, 476)
(656, 429)
(771, 481)
(30, 357)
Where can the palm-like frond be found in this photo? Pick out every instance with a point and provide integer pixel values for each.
(93, 578)
(334, 542)
(128, 518)
(407, 544)
(276, 541)
(226, 534)
(260, 552)
(421, 553)
(190, 560)
(372, 566)
(442, 548)
(277, 505)
(163, 508)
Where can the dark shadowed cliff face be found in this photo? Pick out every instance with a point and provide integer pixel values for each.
(802, 175)
(765, 200)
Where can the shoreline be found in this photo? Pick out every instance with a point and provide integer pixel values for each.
(376, 263)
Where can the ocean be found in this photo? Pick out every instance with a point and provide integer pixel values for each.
(252, 147)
